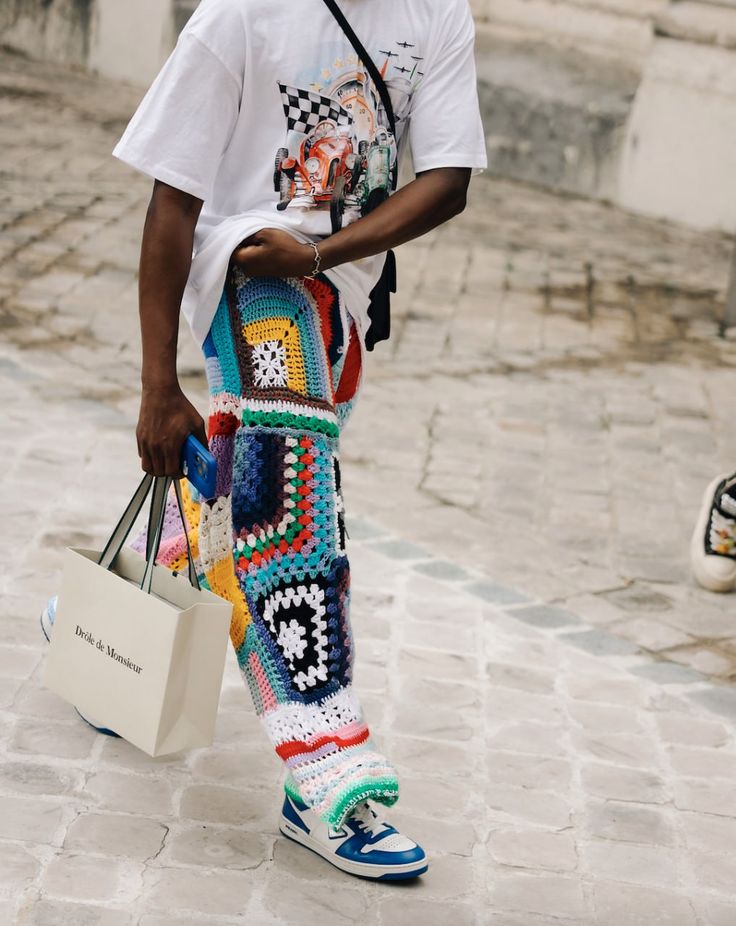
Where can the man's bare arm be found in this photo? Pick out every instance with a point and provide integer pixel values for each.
(433, 198)
(166, 415)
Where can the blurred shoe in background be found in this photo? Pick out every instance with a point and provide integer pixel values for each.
(713, 545)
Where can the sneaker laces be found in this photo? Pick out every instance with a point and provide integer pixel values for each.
(367, 819)
(722, 527)
(727, 497)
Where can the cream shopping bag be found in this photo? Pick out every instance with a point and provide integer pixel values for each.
(135, 645)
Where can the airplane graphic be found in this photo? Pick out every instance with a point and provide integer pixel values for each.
(405, 45)
(389, 54)
(401, 70)
(415, 58)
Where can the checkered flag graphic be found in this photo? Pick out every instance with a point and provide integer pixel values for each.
(305, 109)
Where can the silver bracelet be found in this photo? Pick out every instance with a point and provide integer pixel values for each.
(317, 260)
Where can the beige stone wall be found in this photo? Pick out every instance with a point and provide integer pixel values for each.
(124, 40)
(680, 151)
(120, 48)
(53, 32)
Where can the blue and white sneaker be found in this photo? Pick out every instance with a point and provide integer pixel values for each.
(365, 846)
(48, 616)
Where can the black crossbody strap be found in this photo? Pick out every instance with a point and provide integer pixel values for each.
(369, 63)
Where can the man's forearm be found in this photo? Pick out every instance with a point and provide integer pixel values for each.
(431, 199)
(166, 258)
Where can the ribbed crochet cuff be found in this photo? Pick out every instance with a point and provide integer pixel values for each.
(341, 800)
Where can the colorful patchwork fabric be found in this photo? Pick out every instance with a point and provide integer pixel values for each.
(721, 533)
(284, 366)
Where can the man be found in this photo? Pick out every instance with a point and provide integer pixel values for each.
(273, 157)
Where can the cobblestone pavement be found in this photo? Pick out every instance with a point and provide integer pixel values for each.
(528, 456)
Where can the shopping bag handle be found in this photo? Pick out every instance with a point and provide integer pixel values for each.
(155, 527)
(192, 567)
(155, 530)
(124, 526)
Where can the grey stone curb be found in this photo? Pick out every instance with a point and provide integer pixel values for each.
(558, 622)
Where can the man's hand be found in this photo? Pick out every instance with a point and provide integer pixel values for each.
(273, 253)
(166, 418)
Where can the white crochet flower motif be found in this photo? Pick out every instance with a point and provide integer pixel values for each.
(282, 628)
(269, 360)
(292, 640)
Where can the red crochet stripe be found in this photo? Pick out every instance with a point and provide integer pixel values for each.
(351, 373)
(298, 747)
(222, 423)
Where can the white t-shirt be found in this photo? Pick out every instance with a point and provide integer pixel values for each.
(264, 111)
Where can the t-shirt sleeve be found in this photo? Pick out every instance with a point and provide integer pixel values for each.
(445, 127)
(184, 123)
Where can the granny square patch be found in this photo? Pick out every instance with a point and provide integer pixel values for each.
(296, 620)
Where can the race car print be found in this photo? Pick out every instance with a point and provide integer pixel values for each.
(326, 170)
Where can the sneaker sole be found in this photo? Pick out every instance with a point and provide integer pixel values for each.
(698, 557)
(371, 872)
(46, 626)
(103, 730)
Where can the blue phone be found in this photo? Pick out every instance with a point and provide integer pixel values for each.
(199, 466)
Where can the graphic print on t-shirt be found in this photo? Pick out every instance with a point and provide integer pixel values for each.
(340, 153)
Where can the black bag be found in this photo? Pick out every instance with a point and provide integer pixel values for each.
(379, 310)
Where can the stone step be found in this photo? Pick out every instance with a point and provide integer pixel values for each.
(554, 116)
(618, 28)
(696, 21)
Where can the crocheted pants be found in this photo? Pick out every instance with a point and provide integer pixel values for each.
(284, 365)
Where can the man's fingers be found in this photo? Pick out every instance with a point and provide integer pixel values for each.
(173, 466)
(201, 435)
(151, 458)
(245, 254)
(158, 461)
(162, 460)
